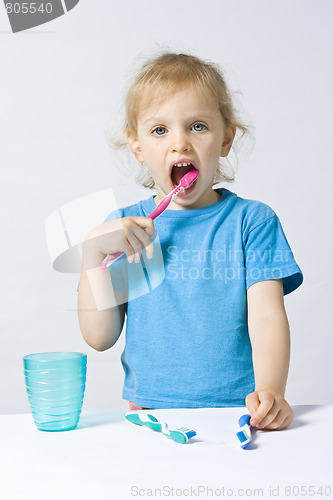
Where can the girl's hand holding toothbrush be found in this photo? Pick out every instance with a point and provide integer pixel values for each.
(269, 410)
(184, 186)
(138, 231)
(128, 235)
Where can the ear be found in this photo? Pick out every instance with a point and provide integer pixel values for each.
(229, 135)
(135, 148)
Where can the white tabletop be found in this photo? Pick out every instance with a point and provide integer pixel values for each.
(107, 457)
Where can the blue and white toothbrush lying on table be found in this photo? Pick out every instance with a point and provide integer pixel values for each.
(181, 435)
(244, 433)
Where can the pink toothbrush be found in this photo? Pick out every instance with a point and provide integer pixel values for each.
(185, 182)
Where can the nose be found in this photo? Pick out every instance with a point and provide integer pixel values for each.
(180, 142)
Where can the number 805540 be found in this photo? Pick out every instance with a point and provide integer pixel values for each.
(28, 8)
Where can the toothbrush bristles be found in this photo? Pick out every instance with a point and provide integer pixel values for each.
(189, 432)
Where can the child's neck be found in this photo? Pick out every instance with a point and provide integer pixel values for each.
(214, 197)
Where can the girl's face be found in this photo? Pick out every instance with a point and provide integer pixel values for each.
(186, 127)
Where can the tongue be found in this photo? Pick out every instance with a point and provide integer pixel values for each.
(178, 172)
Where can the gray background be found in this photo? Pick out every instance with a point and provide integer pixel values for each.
(62, 86)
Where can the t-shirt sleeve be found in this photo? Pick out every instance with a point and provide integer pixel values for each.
(116, 214)
(268, 256)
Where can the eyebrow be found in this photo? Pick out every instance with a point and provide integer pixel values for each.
(152, 119)
(196, 117)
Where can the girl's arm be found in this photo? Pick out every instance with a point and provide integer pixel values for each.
(270, 339)
(101, 318)
(100, 327)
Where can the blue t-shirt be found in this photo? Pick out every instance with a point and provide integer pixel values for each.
(187, 341)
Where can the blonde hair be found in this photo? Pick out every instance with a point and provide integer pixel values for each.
(162, 76)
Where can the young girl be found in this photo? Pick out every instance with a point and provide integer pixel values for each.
(214, 332)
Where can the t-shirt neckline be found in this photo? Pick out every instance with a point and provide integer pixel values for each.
(148, 206)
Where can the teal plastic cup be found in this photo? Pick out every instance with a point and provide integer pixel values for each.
(55, 383)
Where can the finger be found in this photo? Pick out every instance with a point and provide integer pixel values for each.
(129, 252)
(266, 403)
(135, 248)
(277, 413)
(140, 240)
(276, 423)
(149, 250)
(145, 223)
(150, 230)
(145, 241)
(252, 402)
(272, 419)
(286, 422)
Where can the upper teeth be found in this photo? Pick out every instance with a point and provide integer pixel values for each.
(181, 164)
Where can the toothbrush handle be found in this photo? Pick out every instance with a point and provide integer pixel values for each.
(155, 213)
(164, 204)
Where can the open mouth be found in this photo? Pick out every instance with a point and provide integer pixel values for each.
(179, 170)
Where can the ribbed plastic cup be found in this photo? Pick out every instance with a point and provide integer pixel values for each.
(55, 384)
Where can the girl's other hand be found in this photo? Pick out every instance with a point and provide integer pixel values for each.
(269, 410)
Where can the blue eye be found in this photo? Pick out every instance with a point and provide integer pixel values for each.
(199, 127)
(159, 131)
